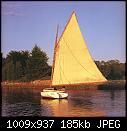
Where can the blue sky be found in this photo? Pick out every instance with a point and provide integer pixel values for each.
(102, 24)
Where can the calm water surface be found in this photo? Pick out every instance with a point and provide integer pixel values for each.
(80, 103)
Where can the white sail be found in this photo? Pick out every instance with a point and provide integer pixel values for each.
(73, 63)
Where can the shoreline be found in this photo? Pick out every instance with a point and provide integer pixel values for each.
(111, 84)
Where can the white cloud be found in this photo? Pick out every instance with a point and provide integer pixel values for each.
(11, 13)
(11, 8)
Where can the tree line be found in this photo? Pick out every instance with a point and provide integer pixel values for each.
(25, 65)
(33, 65)
(112, 69)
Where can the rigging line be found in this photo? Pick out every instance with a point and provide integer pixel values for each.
(77, 60)
(63, 71)
(60, 80)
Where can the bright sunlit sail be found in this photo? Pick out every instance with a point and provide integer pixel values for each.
(72, 62)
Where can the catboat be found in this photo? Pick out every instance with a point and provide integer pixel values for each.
(56, 94)
(72, 62)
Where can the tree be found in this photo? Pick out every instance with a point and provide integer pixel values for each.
(37, 65)
(112, 69)
(24, 56)
(18, 70)
(10, 71)
(19, 60)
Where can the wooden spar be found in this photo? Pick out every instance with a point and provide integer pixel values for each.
(80, 84)
(55, 45)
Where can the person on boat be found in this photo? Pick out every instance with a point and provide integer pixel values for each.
(63, 88)
(55, 88)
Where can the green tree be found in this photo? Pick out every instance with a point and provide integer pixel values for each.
(24, 56)
(37, 65)
(18, 70)
(112, 69)
(18, 60)
(4, 73)
(10, 71)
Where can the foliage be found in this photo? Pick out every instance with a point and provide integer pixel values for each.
(37, 64)
(25, 65)
(112, 69)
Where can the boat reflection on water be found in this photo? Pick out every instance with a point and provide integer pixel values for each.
(57, 107)
(64, 108)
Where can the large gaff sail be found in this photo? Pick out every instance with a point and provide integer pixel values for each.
(72, 61)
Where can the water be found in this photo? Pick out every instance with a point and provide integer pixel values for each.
(80, 103)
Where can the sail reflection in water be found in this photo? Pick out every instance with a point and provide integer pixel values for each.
(61, 108)
(57, 107)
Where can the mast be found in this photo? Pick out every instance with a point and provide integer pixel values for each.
(55, 45)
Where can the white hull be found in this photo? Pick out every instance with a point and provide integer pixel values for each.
(54, 94)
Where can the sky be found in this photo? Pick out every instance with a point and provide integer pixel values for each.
(102, 24)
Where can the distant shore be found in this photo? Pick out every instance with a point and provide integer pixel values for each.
(111, 84)
(36, 83)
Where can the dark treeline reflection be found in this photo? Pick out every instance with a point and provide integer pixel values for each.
(20, 102)
(17, 95)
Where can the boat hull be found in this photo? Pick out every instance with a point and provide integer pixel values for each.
(54, 94)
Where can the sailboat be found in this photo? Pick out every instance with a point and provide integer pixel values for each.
(72, 62)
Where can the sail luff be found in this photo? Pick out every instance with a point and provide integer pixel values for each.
(65, 27)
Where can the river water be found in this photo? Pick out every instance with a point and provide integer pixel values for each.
(80, 103)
